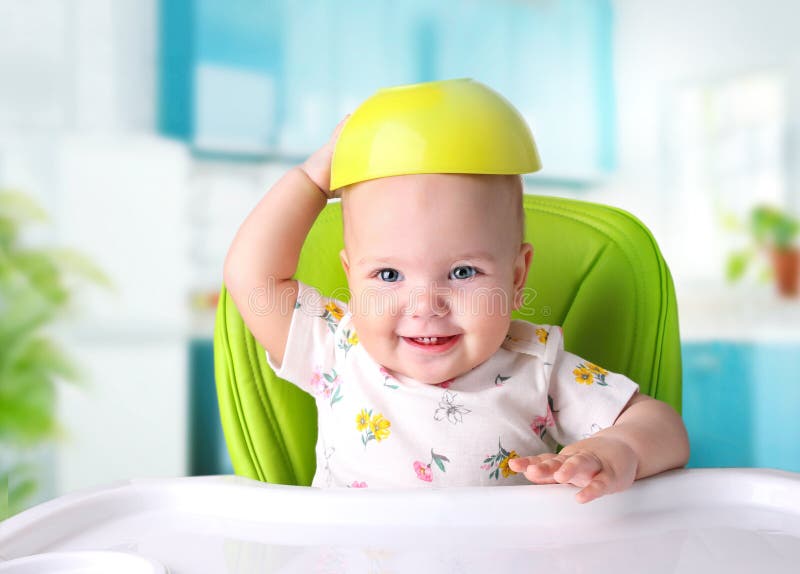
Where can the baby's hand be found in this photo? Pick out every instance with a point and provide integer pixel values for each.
(318, 165)
(598, 465)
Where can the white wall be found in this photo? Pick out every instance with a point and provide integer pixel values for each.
(77, 123)
(662, 48)
(86, 65)
(71, 67)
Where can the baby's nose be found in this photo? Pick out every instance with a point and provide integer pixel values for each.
(432, 300)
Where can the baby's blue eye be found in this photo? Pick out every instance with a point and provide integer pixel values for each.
(463, 272)
(389, 275)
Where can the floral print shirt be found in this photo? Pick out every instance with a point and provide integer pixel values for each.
(378, 429)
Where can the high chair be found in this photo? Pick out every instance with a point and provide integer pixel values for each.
(596, 271)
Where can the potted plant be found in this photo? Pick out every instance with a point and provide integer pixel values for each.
(774, 233)
(36, 288)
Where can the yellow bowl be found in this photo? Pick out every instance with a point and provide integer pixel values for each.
(450, 126)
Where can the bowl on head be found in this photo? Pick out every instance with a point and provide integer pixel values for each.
(449, 126)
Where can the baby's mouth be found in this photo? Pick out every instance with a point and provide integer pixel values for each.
(431, 342)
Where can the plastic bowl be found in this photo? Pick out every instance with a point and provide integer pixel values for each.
(450, 126)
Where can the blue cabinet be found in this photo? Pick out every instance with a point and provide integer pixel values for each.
(553, 60)
(208, 453)
(250, 77)
(220, 67)
(741, 402)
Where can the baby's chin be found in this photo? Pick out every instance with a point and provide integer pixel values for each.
(428, 378)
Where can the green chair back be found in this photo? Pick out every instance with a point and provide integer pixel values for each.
(596, 271)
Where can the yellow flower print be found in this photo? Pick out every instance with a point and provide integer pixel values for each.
(541, 334)
(372, 427)
(595, 369)
(362, 420)
(331, 315)
(379, 427)
(348, 340)
(504, 469)
(587, 373)
(583, 375)
(334, 310)
(498, 463)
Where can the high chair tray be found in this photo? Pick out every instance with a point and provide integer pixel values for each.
(686, 521)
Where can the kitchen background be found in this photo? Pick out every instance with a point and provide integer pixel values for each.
(147, 130)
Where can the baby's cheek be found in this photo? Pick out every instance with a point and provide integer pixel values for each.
(374, 303)
(375, 332)
(484, 301)
(489, 328)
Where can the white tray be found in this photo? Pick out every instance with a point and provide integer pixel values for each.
(82, 562)
(688, 521)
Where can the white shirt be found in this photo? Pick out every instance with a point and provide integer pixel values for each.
(379, 430)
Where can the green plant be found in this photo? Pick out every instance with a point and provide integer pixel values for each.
(770, 228)
(36, 288)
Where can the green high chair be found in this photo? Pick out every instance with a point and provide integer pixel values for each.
(596, 271)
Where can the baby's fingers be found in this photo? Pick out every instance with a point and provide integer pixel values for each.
(595, 489)
(538, 469)
(318, 165)
(579, 469)
(519, 464)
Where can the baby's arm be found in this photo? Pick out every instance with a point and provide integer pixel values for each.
(648, 437)
(263, 257)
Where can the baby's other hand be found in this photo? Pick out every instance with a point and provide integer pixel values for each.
(598, 465)
(318, 165)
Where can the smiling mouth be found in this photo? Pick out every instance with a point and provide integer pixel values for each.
(432, 343)
(430, 340)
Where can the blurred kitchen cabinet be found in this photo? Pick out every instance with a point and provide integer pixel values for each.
(271, 78)
(337, 54)
(208, 453)
(553, 60)
(740, 403)
(129, 418)
(122, 202)
(219, 67)
(276, 77)
(36, 86)
(75, 66)
(718, 403)
(776, 369)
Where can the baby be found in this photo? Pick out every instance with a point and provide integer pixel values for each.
(422, 377)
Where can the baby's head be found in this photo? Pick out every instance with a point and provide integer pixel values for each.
(434, 251)
(438, 256)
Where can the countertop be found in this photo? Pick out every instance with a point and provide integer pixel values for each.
(721, 312)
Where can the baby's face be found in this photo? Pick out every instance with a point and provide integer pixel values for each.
(435, 266)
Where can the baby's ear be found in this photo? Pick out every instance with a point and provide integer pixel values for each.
(522, 265)
(345, 263)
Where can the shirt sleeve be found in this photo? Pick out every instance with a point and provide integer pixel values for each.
(584, 398)
(309, 360)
